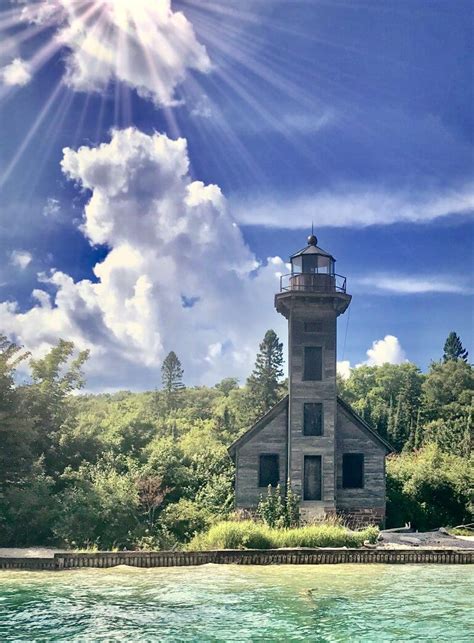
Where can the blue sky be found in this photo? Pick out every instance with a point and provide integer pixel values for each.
(357, 116)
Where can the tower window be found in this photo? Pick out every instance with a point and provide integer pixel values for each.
(312, 477)
(353, 470)
(313, 363)
(269, 470)
(313, 418)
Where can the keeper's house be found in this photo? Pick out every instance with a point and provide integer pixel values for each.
(332, 459)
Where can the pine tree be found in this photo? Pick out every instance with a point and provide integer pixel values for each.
(453, 348)
(263, 383)
(172, 379)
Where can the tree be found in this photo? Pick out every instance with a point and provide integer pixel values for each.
(172, 378)
(263, 383)
(16, 433)
(453, 348)
(55, 377)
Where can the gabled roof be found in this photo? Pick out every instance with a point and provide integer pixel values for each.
(259, 424)
(359, 420)
(283, 403)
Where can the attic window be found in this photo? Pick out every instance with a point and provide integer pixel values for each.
(269, 470)
(353, 470)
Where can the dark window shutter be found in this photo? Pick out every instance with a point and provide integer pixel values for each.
(312, 477)
(313, 363)
(313, 418)
(269, 470)
(353, 470)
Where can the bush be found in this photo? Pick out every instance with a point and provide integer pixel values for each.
(429, 489)
(250, 535)
(277, 510)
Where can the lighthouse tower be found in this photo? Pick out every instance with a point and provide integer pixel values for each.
(312, 440)
(311, 298)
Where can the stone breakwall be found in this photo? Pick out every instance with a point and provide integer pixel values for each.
(242, 557)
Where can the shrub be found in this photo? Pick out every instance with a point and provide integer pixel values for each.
(277, 510)
(250, 535)
(429, 488)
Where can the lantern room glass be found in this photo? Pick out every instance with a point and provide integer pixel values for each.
(312, 264)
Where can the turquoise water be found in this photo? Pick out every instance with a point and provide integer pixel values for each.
(232, 603)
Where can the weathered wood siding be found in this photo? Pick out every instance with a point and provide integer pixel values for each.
(320, 312)
(370, 500)
(271, 439)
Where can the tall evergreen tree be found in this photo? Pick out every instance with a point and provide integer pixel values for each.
(264, 382)
(172, 378)
(453, 348)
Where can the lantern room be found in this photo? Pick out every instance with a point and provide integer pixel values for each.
(313, 270)
(312, 260)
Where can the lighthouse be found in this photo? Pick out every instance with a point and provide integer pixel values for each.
(312, 440)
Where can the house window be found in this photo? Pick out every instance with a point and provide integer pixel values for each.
(312, 477)
(313, 363)
(310, 327)
(353, 470)
(269, 471)
(313, 418)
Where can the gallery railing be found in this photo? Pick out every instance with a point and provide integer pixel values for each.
(312, 282)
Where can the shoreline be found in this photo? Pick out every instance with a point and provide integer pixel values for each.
(301, 556)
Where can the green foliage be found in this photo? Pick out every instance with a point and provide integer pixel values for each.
(263, 383)
(453, 348)
(172, 379)
(429, 488)
(388, 398)
(16, 428)
(28, 509)
(411, 409)
(248, 534)
(279, 510)
(134, 470)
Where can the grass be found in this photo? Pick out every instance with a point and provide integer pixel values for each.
(251, 535)
(461, 531)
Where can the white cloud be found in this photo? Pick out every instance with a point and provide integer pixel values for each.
(346, 206)
(409, 285)
(344, 369)
(143, 44)
(17, 72)
(20, 259)
(172, 241)
(385, 351)
(52, 208)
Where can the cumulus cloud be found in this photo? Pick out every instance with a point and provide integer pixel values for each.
(409, 285)
(344, 369)
(20, 259)
(18, 72)
(172, 241)
(145, 45)
(347, 206)
(385, 351)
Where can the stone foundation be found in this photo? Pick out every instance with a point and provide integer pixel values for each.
(356, 518)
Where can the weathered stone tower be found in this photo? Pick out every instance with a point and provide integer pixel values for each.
(311, 298)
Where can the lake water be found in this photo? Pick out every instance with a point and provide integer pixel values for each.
(223, 603)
